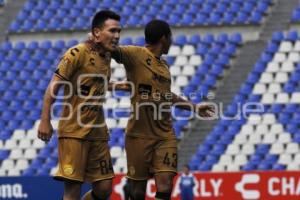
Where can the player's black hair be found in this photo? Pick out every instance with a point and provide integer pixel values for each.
(187, 166)
(101, 16)
(155, 30)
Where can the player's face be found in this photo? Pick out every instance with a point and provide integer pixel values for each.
(108, 35)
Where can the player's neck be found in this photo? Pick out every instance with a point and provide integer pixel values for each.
(155, 50)
(96, 47)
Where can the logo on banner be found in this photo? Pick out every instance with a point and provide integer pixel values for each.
(247, 193)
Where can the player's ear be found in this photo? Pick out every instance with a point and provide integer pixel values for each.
(97, 33)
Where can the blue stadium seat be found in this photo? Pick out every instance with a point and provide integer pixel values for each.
(29, 172)
(126, 41)
(4, 154)
(5, 134)
(249, 167)
(180, 40)
(194, 39)
(278, 167)
(292, 36)
(255, 18)
(277, 37)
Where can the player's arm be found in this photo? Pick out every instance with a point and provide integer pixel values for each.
(203, 109)
(119, 86)
(45, 128)
(67, 66)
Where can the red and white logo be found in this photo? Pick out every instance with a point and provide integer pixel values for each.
(248, 193)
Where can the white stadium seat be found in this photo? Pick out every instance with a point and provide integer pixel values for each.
(240, 159)
(240, 139)
(296, 159)
(25, 143)
(282, 98)
(276, 148)
(293, 167)
(293, 57)
(254, 119)
(218, 168)
(274, 88)
(272, 67)
(16, 154)
(13, 172)
(122, 123)
(285, 158)
(292, 148)
(287, 66)
(261, 129)
(181, 60)
(18, 135)
(268, 98)
(295, 97)
(269, 138)
(116, 152)
(279, 57)
(233, 149)
(225, 159)
(175, 89)
(10, 144)
(276, 128)
(22, 164)
(281, 77)
(247, 129)
(286, 46)
(188, 50)
(37, 143)
(181, 81)
(233, 168)
(7, 164)
(268, 118)
(119, 73)
(175, 70)
(114, 64)
(3, 172)
(259, 88)
(195, 60)
(124, 102)
(188, 70)
(111, 103)
(284, 138)
(255, 139)
(30, 154)
(174, 50)
(266, 78)
(111, 123)
(297, 46)
(248, 149)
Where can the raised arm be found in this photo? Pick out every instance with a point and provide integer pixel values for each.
(203, 109)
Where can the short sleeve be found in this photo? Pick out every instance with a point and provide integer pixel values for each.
(68, 64)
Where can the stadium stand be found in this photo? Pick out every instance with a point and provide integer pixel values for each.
(262, 140)
(61, 16)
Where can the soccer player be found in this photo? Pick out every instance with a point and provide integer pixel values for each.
(150, 143)
(83, 149)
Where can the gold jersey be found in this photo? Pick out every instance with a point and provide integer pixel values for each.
(86, 74)
(151, 99)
